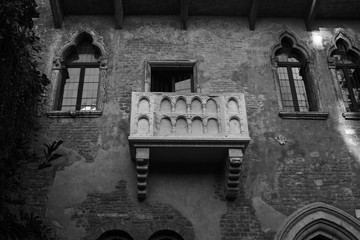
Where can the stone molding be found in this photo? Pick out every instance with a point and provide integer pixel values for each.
(318, 218)
(344, 35)
(78, 36)
(304, 115)
(297, 44)
(351, 115)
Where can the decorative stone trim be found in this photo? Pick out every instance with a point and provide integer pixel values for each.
(74, 114)
(351, 115)
(342, 34)
(233, 173)
(59, 68)
(297, 44)
(142, 167)
(215, 125)
(97, 41)
(309, 71)
(318, 217)
(304, 115)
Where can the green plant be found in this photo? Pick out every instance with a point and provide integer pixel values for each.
(22, 89)
(23, 225)
(49, 154)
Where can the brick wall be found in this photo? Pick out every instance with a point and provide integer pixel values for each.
(318, 162)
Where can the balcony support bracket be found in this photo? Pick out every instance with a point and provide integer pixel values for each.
(233, 173)
(142, 167)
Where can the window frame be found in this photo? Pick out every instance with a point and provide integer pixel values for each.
(289, 67)
(345, 68)
(82, 67)
(59, 72)
(171, 64)
(335, 65)
(310, 79)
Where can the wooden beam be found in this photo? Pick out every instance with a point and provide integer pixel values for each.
(184, 13)
(119, 13)
(311, 14)
(57, 13)
(253, 13)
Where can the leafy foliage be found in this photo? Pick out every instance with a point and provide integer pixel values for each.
(22, 85)
(22, 88)
(49, 154)
(24, 225)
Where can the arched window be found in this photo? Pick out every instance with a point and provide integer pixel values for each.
(319, 221)
(296, 82)
(291, 70)
(166, 235)
(80, 83)
(347, 69)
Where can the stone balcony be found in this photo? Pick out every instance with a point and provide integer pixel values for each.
(200, 128)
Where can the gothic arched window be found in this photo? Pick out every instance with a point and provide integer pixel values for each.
(79, 85)
(294, 86)
(348, 75)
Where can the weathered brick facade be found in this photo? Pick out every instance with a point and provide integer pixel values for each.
(288, 164)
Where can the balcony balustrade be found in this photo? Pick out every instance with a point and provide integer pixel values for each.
(188, 127)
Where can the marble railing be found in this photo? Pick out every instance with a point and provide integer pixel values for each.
(173, 115)
(199, 128)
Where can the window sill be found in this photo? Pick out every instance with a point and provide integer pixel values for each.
(74, 114)
(351, 115)
(304, 115)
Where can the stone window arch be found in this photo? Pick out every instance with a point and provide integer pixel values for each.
(296, 82)
(166, 235)
(115, 235)
(344, 64)
(78, 76)
(319, 221)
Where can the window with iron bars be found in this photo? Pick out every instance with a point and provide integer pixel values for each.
(348, 76)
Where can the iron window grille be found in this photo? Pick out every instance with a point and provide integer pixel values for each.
(348, 76)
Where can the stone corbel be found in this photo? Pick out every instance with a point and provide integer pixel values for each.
(142, 167)
(103, 61)
(331, 62)
(57, 63)
(233, 173)
(274, 62)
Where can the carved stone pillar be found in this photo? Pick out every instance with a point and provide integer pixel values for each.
(311, 86)
(233, 173)
(56, 80)
(103, 61)
(142, 166)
